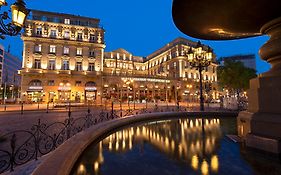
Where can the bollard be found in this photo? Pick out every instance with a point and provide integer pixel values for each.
(47, 108)
(21, 108)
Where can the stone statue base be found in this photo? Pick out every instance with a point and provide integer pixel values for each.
(260, 126)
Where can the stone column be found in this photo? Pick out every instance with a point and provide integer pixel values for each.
(261, 124)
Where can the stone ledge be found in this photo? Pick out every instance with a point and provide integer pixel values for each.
(262, 143)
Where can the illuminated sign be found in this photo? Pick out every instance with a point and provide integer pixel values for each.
(146, 79)
(64, 88)
(35, 88)
(90, 88)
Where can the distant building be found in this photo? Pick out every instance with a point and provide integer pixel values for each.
(9, 78)
(248, 60)
(1, 61)
(10, 70)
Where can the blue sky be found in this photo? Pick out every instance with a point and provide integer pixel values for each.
(140, 27)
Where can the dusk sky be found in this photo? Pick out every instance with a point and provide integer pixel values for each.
(141, 27)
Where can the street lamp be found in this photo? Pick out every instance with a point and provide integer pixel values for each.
(19, 14)
(199, 58)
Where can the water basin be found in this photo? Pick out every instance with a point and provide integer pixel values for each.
(173, 147)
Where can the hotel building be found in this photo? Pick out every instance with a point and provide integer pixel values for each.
(64, 59)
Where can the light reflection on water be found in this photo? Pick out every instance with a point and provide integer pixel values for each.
(191, 142)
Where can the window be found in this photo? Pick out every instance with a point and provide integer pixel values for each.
(53, 33)
(1, 59)
(206, 77)
(38, 48)
(65, 50)
(51, 82)
(78, 83)
(52, 49)
(35, 83)
(79, 36)
(52, 64)
(79, 66)
(79, 51)
(0, 66)
(91, 67)
(175, 65)
(66, 34)
(92, 54)
(1, 52)
(39, 31)
(37, 64)
(65, 65)
(92, 38)
(66, 21)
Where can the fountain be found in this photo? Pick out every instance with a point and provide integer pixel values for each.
(232, 19)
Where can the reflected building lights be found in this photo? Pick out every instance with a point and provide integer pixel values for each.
(188, 145)
(205, 167)
(215, 163)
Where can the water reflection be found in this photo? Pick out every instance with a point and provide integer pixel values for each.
(192, 142)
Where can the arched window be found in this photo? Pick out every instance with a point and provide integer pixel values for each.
(90, 84)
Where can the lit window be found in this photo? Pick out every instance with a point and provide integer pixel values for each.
(66, 34)
(51, 82)
(92, 38)
(53, 33)
(51, 64)
(79, 51)
(78, 66)
(92, 54)
(38, 48)
(79, 36)
(37, 64)
(39, 31)
(65, 50)
(91, 67)
(78, 83)
(66, 21)
(65, 65)
(52, 49)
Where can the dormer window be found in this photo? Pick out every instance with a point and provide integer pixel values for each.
(66, 21)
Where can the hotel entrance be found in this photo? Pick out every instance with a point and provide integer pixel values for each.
(35, 91)
(90, 92)
(64, 91)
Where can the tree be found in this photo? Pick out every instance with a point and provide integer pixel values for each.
(235, 76)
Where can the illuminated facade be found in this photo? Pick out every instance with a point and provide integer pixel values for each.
(64, 59)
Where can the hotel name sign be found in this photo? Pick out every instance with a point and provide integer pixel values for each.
(146, 79)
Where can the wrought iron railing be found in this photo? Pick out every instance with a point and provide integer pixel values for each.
(21, 146)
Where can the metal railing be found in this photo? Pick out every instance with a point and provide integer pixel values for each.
(21, 146)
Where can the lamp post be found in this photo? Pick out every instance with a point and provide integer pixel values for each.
(200, 58)
(19, 14)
